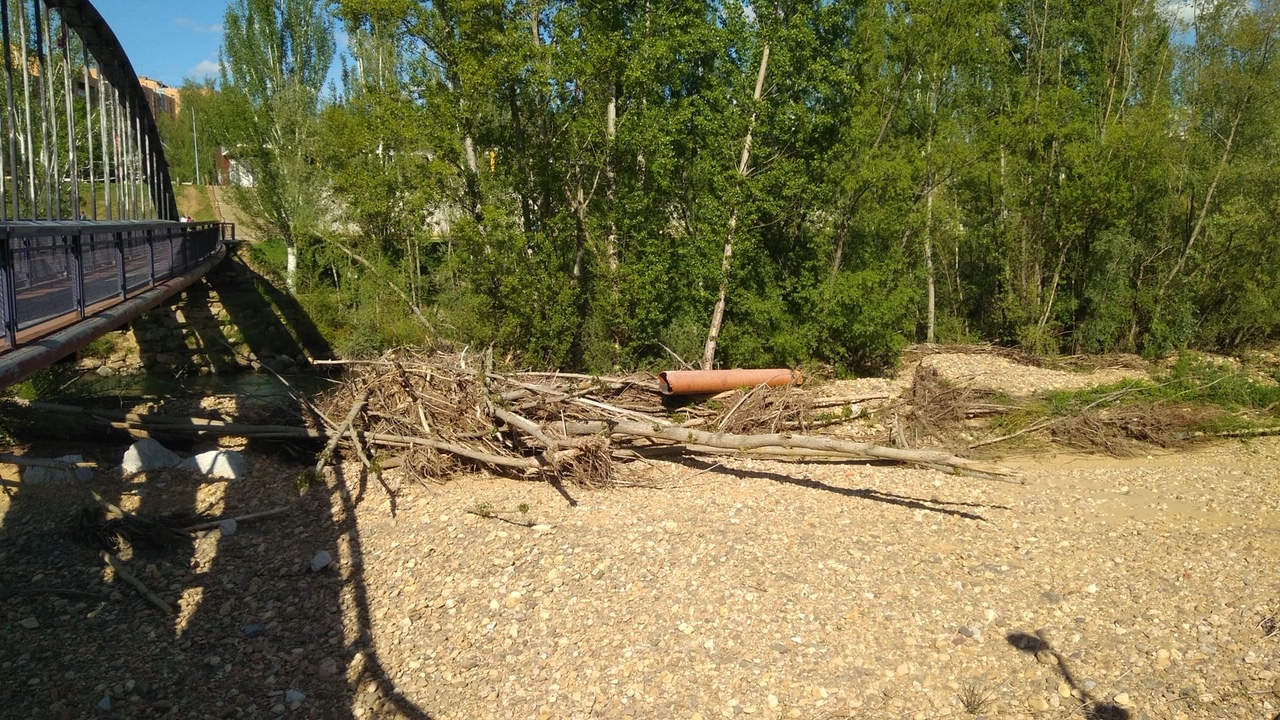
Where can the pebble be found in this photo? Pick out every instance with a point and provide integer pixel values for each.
(328, 667)
(1121, 699)
(320, 561)
(1064, 689)
(29, 623)
(1038, 703)
(1046, 657)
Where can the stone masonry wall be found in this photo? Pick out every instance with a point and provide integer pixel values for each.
(228, 322)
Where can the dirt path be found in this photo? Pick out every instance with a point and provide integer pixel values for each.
(227, 212)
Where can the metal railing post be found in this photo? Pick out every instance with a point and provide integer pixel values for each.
(77, 269)
(151, 255)
(124, 280)
(9, 301)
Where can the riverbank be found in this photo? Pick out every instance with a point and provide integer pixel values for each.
(1139, 587)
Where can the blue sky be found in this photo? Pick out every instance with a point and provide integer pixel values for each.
(168, 40)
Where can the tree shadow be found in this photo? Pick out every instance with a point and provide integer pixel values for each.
(1090, 708)
(272, 322)
(369, 671)
(935, 506)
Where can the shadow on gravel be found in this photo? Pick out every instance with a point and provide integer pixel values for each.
(1090, 708)
(376, 691)
(936, 506)
(255, 631)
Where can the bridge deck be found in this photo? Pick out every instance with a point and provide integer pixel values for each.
(64, 283)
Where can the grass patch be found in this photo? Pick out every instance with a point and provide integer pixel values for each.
(99, 347)
(268, 255)
(976, 698)
(1192, 381)
(194, 201)
(1194, 397)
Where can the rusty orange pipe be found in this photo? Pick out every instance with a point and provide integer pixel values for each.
(705, 382)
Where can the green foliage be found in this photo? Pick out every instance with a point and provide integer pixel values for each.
(1194, 378)
(193, 130)
(1192, 381)
(275, 57)
(48, 383)
(559, 180)
(307, 479)
(99, 347)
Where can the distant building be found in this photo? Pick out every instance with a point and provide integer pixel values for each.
(231, 171)
(161, 97)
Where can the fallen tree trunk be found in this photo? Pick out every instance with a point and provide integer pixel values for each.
(788, 441)
(829, 447)
(23, 461)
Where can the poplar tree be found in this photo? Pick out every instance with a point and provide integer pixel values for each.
(275, 58)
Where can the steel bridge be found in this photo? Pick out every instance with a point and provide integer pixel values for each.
(89, 231)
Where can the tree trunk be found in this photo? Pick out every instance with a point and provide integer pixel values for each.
(578, 203)
(717, 317)
(837, 257)
(470, 149)
(291, 266)
(928, 261)
(611, 177)
(1204, 208)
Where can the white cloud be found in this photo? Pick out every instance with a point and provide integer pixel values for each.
(1181, 11)
(207, 68)
(1184, 12)
(215, 29)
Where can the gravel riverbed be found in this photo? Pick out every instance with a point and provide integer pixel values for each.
(1140, 588)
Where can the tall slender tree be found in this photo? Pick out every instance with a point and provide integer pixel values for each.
(276, 56)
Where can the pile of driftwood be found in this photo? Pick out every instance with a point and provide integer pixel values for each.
(435, 414)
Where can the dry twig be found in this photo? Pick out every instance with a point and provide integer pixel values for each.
(137, 584)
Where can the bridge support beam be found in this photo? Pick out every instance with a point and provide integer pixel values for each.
(22, 361)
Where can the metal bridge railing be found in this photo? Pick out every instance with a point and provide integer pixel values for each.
(56, 272)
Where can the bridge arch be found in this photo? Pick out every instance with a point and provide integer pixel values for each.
(45, 171)
(89, 238)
